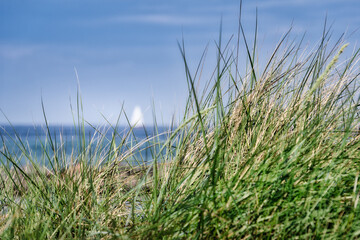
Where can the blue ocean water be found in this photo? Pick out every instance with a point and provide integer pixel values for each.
(25, 143)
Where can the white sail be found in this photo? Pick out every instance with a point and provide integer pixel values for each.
(137, 118)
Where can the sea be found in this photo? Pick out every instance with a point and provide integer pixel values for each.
(24, 144)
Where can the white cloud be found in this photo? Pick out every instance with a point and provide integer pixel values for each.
(162, 19)
(294, 3)
(14, 52)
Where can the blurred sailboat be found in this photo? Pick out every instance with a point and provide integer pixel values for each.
(137, 118)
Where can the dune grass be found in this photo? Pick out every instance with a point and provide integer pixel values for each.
(270, 153)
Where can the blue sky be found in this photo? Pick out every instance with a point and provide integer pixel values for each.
(125, 51)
